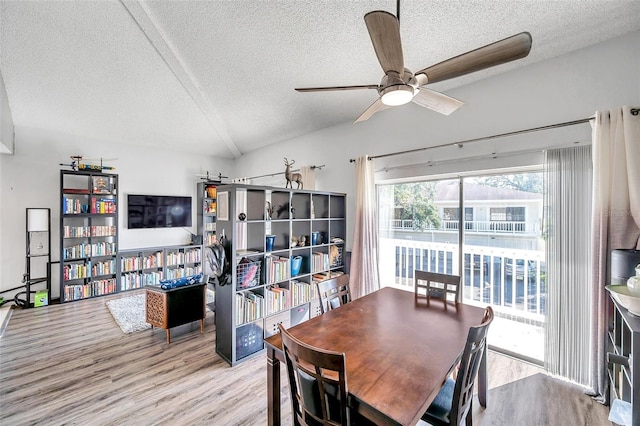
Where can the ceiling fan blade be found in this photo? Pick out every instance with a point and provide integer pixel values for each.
(500, 52)
(373, 108)
(326, 89)
(436, 101)
(384, 31)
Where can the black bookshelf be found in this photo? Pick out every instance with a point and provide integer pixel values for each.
(88, 234)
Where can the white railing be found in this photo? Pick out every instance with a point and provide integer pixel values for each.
(489, 275)
(484, 226)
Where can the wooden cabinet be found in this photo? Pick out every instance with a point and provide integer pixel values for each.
(624, 358)
(88, 234)
(273, 284)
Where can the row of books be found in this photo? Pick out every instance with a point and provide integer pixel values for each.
(135, 280)
(73, 206)
(94, 288)
(76, 271)
(277, 268)
(210, 226)
(137, 263)
(86, 250)
(302, 292)
(322, 276)
(182, 272)
(276, 299)
(180, 258)
(103, 205)
(319, 261)
(210, 239)
(107, 267)
(88, 231)
(249, 307)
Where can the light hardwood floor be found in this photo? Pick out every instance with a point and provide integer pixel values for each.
(71, 364)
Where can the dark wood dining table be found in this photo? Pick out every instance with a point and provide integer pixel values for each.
(399, 350)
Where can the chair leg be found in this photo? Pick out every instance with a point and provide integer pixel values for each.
(469, 419)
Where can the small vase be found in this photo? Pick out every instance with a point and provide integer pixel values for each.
(633, 283)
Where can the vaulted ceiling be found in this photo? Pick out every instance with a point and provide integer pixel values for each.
(217, 77)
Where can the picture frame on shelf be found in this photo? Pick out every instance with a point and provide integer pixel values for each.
(223, 206)
(101, 185)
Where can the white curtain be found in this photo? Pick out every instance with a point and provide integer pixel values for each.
(365, 277)
(616, 214)
(567, 200)
(308, 177)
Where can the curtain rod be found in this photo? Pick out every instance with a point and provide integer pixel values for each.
(634, 111)
(491, 156)
(483, 138)
(281, 173)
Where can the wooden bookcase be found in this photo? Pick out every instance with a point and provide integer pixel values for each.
(88, 234)
(147, 266)
(623, 340)
(263, 292)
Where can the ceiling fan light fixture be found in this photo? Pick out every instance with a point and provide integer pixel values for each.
(396, 95)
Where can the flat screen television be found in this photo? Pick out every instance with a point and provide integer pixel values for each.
(158, 211)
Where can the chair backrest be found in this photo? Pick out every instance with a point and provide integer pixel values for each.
(469, 365)
(436, 285)
(334, 292)
(317, 381)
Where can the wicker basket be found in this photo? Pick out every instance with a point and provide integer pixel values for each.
(247, 275)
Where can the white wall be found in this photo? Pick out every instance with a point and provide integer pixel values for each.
(31, 178)
(563, 89)
(6, 121)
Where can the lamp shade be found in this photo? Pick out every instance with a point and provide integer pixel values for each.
(37, 220)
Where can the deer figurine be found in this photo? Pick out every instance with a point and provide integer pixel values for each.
(292, 177)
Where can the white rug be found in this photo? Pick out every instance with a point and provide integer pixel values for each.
(128, 312)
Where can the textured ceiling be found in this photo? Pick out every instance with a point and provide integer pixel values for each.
(217, 77)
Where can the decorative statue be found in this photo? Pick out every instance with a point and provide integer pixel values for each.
(292, 177)
(268, 211)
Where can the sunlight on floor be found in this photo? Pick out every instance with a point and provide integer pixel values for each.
(518, 338)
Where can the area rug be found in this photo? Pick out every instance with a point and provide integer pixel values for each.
(128, 312)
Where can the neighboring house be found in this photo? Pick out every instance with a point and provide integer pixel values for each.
(496, 217)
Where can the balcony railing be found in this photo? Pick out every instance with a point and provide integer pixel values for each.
(483, 226)
(513, 281)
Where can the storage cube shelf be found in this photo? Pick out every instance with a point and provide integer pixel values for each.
(623, 338)
(276, 286)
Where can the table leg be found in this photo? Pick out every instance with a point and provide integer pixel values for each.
(273, 388)
(482, 379)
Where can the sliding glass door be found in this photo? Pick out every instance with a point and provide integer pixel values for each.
(501, 260)
(414, 234)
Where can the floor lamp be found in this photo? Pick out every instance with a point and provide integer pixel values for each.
(38, 256)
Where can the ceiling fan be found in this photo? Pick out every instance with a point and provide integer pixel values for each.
(400, 86)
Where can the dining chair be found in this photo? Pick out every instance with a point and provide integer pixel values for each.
(436, 285)
(334, 292)
(317, 382)
(454, 401)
